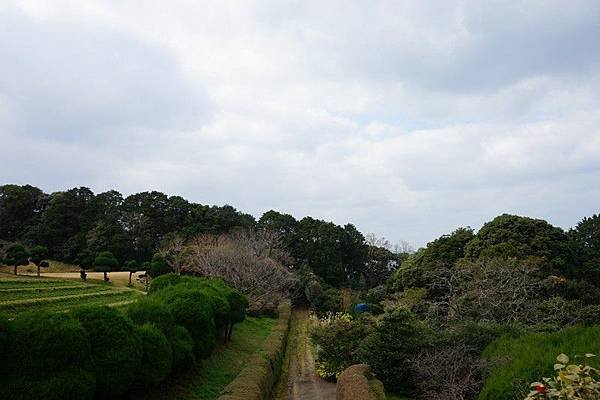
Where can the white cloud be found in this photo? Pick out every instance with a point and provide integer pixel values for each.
(408, 119)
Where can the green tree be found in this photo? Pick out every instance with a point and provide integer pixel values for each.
(585, 242)
(16, 255)
(20, 208)
(158, 266)
(438, 254)
(132, 267)
(38, 256)
(105, 262)
(508, 236)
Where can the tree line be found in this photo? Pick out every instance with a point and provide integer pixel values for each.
(77, 226)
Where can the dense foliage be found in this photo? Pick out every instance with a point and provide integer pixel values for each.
(102, 352)
(434, 326)
(77, 225)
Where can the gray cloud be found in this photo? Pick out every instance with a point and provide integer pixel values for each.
(408, 119)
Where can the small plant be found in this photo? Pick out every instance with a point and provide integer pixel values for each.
(573, 382)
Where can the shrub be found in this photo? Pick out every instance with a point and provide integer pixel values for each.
(192, 308)
(387, 350)
(117, 349)
(338, 340)
(182, 348)
(524, 359)
(157, 358)
(151, 310)
(589, 315)
(158, 266)
(163, 281)
(50, 358)
(572, 383)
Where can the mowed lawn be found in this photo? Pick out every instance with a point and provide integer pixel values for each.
(210, 376)
(19, 294)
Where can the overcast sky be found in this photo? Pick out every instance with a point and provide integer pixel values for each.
(406, 118)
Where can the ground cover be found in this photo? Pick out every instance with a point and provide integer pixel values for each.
(20, 294)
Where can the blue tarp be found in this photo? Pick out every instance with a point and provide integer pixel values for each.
(361, 307)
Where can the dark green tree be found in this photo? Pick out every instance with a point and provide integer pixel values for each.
(512, 236)
(105, 262)
(585, 244)
(158, 266)
(16, 255)
(132, 267)
(20, 208)
(38, 256)
(441, 253)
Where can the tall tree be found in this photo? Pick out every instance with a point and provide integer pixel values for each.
(585, 242)
(16, 255)
(38, 256)
(20, 209)
(105, 262)
(522, 237)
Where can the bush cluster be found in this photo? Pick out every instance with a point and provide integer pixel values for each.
(101, 352)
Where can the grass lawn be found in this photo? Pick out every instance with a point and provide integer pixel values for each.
(21, 293)
(211, 376)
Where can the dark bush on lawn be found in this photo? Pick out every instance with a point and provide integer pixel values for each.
(192, 308)
(156, 358)
(151, 310)
(116, 349)
(49, 358)
(529, 358)
(182, 348)
(228, 304)
(164, 281)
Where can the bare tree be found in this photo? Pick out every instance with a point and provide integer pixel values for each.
(450, 373)
(247, 261)
(486, 289)
(175, 251)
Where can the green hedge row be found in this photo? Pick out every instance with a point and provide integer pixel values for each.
(101, 352)
(256, 380)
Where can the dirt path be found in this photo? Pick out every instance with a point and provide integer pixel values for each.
(303, 383)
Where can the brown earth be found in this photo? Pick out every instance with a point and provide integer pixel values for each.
(303, 383)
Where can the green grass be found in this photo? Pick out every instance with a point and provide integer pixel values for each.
(531, 357)
(48, 292)
(210, 377)
(391, 396)
(20, 294)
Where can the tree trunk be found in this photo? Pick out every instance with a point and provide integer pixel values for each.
(15, 269)
(105, 277)
(38, 271)
(130, 273)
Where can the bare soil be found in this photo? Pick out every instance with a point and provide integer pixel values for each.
(303, 383)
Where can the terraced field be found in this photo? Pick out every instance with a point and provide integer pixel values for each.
(22, 294)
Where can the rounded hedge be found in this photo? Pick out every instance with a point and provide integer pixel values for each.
(50, 357)
(157, 358)
(151, 310)
(182, 348)
(163, 281)
(117, 349)
(192, 309)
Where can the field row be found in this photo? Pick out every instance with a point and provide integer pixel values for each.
(19, 295)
